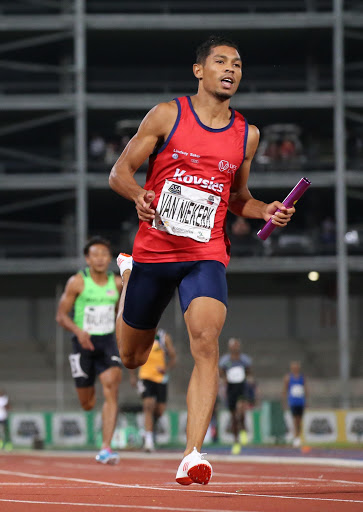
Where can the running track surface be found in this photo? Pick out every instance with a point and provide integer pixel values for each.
(59, 482)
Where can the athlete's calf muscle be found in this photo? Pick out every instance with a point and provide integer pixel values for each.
(135, 345)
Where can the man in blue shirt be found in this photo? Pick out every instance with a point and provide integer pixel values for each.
(295, 394)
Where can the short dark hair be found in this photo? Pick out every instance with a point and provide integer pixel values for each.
(94, 241)
(205, 48)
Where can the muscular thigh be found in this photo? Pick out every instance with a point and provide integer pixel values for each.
(149, 290)
(203, 279)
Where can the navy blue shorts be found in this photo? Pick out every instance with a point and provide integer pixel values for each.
(297, 410)
(150, 389)
(151, 287)
(235, 393)
(87, 364)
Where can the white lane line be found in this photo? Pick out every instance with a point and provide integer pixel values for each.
(298, 498)
(259, 459)
(24, 484)
(175, 489)
(246, 484)
(49, 486)
(128, 507)
(296, 478)
(221, 475)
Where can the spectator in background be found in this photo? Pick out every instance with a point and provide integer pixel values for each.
(240, 227)
(4, 421)
(111, 153)
(125, 139)
(328, 230)
(234, 368)
(294, 397)
(287, 150)
(241, 238)
(153, 383)
(273, 151)
(97, 147)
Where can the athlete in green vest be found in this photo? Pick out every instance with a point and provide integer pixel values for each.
(93, 294)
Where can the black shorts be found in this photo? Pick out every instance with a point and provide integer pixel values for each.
(87, 364)
(152, 285)
(297, 410)
(148, 388)
(235, 392)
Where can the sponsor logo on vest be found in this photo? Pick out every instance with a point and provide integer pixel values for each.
(224, 165)
(182, 176)
(175, 189)
(175, 156)
(180, 152)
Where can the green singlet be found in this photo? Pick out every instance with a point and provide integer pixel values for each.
(94, 308)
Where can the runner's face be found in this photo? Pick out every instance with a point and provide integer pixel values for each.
(98, 258)
(222, 72)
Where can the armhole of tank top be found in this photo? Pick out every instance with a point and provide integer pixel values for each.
(173, 129)
(245, 139)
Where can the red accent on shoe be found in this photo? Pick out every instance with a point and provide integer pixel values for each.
(184, 481)
(200, 474)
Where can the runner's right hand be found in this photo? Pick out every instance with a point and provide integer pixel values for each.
(143, 205)
(85, 340)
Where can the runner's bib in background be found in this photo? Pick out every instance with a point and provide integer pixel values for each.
(297, 390)
(99, 319)
(185, 211)
(235, 374)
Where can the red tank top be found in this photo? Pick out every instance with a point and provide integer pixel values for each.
(191, 175)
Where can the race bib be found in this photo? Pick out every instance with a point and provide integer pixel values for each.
(185, 211)
(236, 374)
(99, 319)
(297, 391)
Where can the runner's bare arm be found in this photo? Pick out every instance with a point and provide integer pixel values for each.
(73, 288)
(285, 391)
(153, 130)
(241, 201)
(171, 352)
(119, 286)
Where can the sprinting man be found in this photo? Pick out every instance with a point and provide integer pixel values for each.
(94, 294)
(294, 396)
(234, 368)
(152, 383)
(200, 152)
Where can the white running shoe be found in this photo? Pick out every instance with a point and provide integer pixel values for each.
(149, 445)
(124, 262)
(193, 468)
(296, 442)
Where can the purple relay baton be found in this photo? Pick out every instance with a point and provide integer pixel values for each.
(289, 201)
